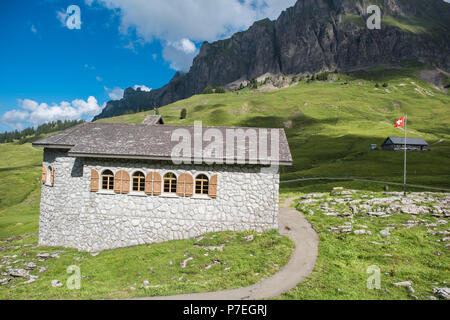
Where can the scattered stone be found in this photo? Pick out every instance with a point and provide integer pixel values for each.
(94, 254)
(403, 284)
(446, 239)
(56, 283)
(32, 279)
(311, 212)
(43, 255)
(432, 298)
(410, 289)
(212, 264)
(376, 214)
(336, 190)
(443, 293)
(185, 261)
(4, 281)
(55, 255)
(340, 229)
(30, 265)
(133, 288)
(42, 269)
(385, 233)
(19, 273)
(362, 231)
(227, 268)
(249, 238)
(146, 284)
(354, 209)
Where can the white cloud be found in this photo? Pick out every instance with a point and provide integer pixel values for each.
(34, 113)
(180, 56)
(61, 15)
(98, 78)
(142, 87)
(13, 116)
(115, 94)
(33, 29)
(179, 23)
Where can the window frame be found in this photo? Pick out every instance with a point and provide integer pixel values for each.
(172, 187)
(110, 180)
(202, 185)
(141, 181)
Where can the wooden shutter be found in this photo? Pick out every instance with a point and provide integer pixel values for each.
(181, 184)
(52, 176)
(44, 174)
(117, 181)
(189, 180)
(94, 181)
(125, 182)
(149, 183)
(212, 192)
(156, 184)
(122, 182)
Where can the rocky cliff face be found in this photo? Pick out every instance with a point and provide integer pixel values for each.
(312, 36)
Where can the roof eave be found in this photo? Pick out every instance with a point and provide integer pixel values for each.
(165, 158)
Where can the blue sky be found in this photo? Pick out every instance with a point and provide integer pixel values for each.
(51, 72)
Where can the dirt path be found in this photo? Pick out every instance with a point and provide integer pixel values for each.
(298, 229)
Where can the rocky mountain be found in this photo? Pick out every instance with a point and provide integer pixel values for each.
(310, 37)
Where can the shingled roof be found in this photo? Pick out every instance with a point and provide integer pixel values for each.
(147, 141)
(409, 141)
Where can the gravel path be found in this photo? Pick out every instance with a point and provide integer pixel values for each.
(298, 229)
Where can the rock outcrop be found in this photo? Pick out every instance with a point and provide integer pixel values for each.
(310, 37)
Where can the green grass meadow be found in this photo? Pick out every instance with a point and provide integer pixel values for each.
(330, 126)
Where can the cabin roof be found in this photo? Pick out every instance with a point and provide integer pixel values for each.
(150, 141)
(409, 141)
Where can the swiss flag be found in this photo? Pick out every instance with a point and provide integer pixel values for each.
(400, 122)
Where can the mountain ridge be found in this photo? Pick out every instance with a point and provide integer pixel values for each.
(310, 37)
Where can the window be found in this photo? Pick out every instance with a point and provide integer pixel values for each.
(170, 183)
(107, 180)
(138, 181)
(201, 184)
(51, 176)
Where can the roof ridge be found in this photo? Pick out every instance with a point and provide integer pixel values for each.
(184, 126)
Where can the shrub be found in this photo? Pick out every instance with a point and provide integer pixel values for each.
(220, 89)
(253, 84)
(208, 90)
(183, 113)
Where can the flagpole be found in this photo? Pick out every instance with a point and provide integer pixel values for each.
(404, 167)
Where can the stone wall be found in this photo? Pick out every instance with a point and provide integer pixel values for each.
(72, 216)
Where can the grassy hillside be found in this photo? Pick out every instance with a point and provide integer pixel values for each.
(330, 125)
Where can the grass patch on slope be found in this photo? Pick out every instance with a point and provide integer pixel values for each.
(148, 270)
(408, 254)
(332, 124)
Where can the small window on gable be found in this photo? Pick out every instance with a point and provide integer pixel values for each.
(201, 184)
(138, 182)
(107, 180)
(170, 183)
